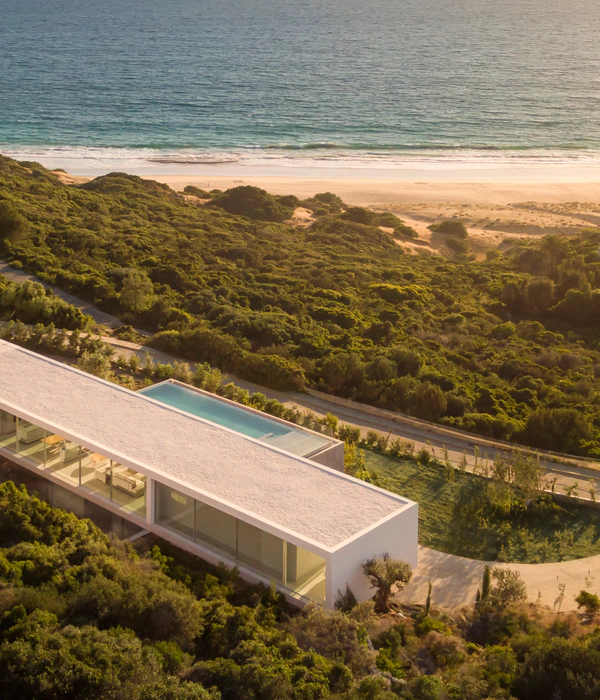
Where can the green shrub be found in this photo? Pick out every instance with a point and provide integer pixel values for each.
(324, 203)
(252, 202)
(589, 601)
(31, 303)
(458, 245)
(197, 192)
(13, 225)
(428, 624)
(451, 228)
(273, 371)
(424, 456)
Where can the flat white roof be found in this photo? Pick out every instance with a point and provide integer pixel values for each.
(314, 502)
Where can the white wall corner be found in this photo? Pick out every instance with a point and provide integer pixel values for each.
(398, 536)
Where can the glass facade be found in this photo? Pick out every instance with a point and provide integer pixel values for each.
(260, 551)
(60, 497)
(215, 529)
(175, 511)
(8, 431)
(89, 471)
(289, 565)
(293, 567)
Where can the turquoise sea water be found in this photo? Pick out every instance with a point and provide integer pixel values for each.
(381, 82)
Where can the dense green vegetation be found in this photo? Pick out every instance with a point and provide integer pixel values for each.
(30, 303)
(256, 204)
(83, 616)
(507, 347)
(451, 228)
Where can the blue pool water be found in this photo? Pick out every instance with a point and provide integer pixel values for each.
(242, 421)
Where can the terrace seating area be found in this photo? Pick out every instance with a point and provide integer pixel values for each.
(74, 464)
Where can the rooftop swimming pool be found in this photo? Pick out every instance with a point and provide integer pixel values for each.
(255, 425)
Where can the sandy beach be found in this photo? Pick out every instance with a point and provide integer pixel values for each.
(465, 188)
(496, 205)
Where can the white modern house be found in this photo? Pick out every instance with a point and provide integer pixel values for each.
(223, 481)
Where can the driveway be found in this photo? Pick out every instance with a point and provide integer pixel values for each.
(455, 580)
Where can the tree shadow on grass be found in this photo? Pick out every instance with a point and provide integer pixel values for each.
(472, 531)
(458, 518)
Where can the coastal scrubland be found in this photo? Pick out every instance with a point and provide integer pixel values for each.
(506, 347)
(83, 615)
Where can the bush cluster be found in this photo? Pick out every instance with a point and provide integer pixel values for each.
(85, 616)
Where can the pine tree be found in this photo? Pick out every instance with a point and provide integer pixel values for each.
(486, 583)
(428, 601)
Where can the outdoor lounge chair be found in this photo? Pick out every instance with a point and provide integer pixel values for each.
(28, 432)
(130, 482)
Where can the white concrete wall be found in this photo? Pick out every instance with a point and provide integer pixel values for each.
(332, 457)
(398, 536)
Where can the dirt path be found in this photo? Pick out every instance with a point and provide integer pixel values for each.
(100, 317)
(455, 580)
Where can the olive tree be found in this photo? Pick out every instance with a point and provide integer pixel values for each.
(387, 575)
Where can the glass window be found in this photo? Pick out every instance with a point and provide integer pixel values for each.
(297, 569)
(66, 464)
(305, 573)
(53, 457)
(8, 431)
(261, 551)
(175, 510)
(7, 423)
(216, 529)
(119, 484)
(128, 487)
(31, 440)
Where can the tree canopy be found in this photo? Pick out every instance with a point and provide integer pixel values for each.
(85, 617)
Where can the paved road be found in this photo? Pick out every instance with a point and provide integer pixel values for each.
(455, 580)
(460, 445)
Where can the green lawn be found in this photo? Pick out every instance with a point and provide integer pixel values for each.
(457, 518)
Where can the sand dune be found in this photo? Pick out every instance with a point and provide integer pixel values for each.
(495, 211)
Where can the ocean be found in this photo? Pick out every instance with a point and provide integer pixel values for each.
(92, 85)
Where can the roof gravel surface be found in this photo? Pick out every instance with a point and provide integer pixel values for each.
(291, 492)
